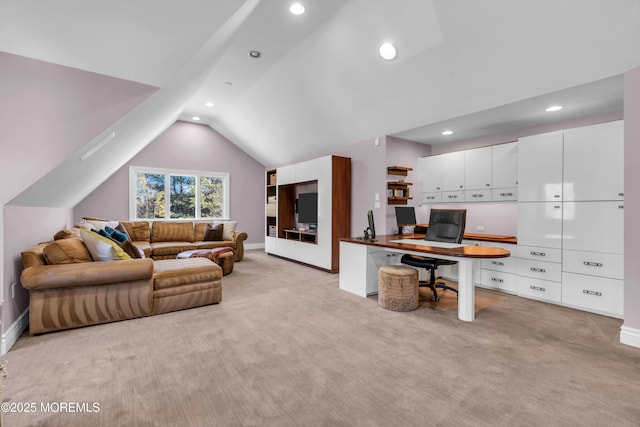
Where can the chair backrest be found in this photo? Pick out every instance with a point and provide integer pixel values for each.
(446, 225)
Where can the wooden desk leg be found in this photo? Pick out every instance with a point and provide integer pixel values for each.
(466, 291)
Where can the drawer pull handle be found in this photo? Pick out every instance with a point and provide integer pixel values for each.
(538, 270)
(557, 196)
(620, 206)
(596, 293)
(495, 279)
(506, 194)
(477, 195)
(557, 206)
(592, 264)
(452, 196)
(487, 185)
(538, 288)
(620, 194)
(537, 253)
(497, 262)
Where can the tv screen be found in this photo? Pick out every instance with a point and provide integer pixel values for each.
(405, 215)
(308, 208)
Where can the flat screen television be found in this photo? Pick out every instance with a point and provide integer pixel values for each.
(308, 208)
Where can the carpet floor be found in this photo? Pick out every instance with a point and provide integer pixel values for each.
(286, 347)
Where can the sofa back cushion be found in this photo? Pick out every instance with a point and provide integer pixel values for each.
(66, 251)
(138, 231)
(172, 232)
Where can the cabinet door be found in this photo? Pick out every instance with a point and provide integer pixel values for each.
(430, 174)
(593, 226)
(452, 171)
(594, 162)
(540, 168)
(540, 224)
(477, 169)
(504, 165)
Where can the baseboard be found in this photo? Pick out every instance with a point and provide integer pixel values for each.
(12, 334)
(254, 246)
(630, 336)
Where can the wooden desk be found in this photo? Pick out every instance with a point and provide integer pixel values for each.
(360, 260)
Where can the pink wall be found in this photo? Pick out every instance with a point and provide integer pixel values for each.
(189, 146)
(23, 228)
(47, 112)
(632, 199)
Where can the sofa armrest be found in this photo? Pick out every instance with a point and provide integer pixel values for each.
(239, 237)
(41, 277)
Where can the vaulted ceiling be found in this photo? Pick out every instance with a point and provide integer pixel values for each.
(477, 66)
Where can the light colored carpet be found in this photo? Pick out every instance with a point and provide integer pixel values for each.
(286, 347)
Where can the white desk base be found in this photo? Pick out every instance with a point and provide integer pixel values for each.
(359, 273)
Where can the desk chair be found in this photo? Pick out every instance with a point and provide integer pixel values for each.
(445, 225)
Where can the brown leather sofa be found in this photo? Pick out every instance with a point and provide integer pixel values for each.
(166, 239)
(64, 296)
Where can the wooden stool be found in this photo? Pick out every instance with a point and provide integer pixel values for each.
(398, 288)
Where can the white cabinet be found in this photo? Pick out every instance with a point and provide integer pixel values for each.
(591, 293)
(594, 162)
(540, 168)
(477, 169)
(540, 224)
(593, 226)
(452, 171)
(430, 170)
(286, 175)
(504, 175)
(500, 274)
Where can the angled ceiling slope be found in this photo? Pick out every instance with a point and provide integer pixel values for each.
(320, 82)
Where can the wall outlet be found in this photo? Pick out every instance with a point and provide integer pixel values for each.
(479, 227)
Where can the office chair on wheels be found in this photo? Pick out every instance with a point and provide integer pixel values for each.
(445, 225)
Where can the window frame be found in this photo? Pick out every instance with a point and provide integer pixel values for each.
(135, 170)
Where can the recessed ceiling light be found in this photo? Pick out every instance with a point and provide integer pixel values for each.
(554, 108)
(447, 132)
(255, 54)
(208, 104)
(196, 118)
(388, 51)
(297, 9)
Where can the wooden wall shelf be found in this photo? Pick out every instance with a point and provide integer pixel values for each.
(398, 170)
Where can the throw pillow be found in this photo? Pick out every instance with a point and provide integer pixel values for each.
(115, 234)
(229, 229)
(213, 232)
(131, 250)
(102, 248)
(66, 251)
(121, 228)
(98, 224)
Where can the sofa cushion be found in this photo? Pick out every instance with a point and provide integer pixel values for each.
(102, 248)
(131, 250)
(170, 248)
(138, 231)
(229, 229)
(170, 273)
(172, 232)
(72, 233)
(66, 251)
(213, 232)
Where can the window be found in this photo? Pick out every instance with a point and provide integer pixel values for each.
(175, 194)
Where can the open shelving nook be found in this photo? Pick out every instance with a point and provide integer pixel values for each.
(398, 190)
(288, 225)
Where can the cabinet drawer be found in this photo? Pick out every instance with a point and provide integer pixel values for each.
(477, 195)
(605, 296)
(506, 265)
(539, 289)
(504, 194)
(540, 254)
(452, 196)
(540, 270)
(428, 198)
(498, 280)
(593, 264)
